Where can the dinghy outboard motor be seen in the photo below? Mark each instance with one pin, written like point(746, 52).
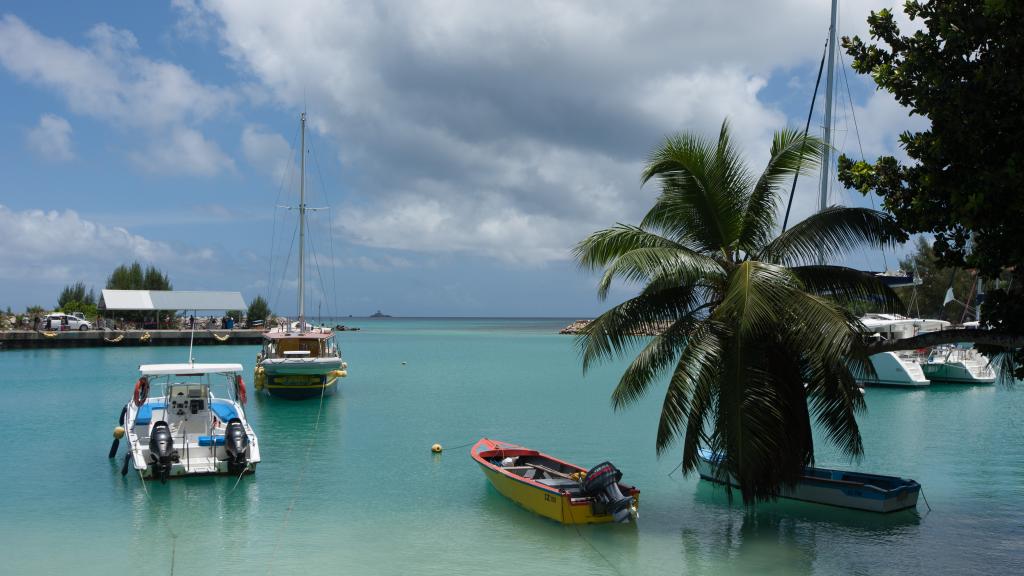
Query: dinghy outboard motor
point(161, 450)
point(236, 444)
point(602, 484)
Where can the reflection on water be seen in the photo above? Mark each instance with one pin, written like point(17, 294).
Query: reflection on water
point(781, 537)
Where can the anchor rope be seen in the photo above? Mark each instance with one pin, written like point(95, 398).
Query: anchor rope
point(166, 523)
point(678, 466)
point(589, 543)
point(297, 490)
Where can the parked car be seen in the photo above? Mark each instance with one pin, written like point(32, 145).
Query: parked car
point(62, 321)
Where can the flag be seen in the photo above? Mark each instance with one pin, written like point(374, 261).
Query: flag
point(949, 296)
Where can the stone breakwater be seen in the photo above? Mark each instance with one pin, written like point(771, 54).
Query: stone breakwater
point(649, 330)
point(575, 327)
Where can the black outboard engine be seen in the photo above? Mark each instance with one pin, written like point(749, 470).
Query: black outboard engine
point(236, 444)
point(161, 450)
point(602, 484)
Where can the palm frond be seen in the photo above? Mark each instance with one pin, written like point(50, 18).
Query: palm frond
point(621, 327)
point(701, 198)
point(755, 297)
point(791, 153)
point(690, 396)
point(835, 402)
point(846, 285)
point(645, 264)
point(651, 362)
point(604, 246)
point(830, 233)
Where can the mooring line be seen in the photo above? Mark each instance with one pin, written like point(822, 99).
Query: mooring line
point(296, 491)
point(592, 547)
point(167, 524)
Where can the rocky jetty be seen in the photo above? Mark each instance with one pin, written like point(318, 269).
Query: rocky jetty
point(575, 327)
point(650, 330)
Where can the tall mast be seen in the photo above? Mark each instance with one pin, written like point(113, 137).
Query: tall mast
point(827, 147)
point(302, 226)
point(826, 153)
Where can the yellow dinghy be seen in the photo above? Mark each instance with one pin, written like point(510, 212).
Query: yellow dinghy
point(558, 490)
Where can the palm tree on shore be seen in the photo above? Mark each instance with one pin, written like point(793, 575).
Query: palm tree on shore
point(754, 340)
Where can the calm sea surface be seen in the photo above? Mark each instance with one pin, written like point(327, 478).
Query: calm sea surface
point(366, 496)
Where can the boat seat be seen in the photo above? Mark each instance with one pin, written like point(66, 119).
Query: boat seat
point(224, 410)
point(524, 471)
point(211, 440)
point(145, 415)
point(570, 486)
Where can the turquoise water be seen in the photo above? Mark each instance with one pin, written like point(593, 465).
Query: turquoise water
point(374, 500)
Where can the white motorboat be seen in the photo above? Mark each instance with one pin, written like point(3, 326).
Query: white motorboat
point(958, 365)
point(184, 430)
point(901, 368)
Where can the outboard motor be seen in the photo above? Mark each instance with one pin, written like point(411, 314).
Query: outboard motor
point(602, 484)
point(161, 450)
point(236, 444)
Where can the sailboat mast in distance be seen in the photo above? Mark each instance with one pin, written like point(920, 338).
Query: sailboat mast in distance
point(302, 226)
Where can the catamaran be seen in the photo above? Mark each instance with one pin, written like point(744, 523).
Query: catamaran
point(902, 368)
point(298, 360)
point(954, 364)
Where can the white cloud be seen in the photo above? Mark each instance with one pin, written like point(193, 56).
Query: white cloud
point(51, 138)
point(108, 79)
point(192, 20)
point(185, 151)
point(513, 132)
point(61, 246)
point(266, 150)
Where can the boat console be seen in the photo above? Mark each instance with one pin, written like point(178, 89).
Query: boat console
point(187, 399)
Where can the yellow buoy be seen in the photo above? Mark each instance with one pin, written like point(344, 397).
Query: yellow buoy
point(436, 449)
point(119, 432)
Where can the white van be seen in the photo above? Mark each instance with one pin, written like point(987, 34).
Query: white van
point(61, 321)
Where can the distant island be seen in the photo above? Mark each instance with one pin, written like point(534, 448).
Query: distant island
point(379, 314)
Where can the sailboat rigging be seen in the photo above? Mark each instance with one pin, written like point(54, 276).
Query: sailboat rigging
point(300, 361)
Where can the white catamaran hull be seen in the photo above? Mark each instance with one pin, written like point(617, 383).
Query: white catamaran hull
point(894, 369)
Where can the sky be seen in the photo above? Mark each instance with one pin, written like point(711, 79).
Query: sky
point(457, 149)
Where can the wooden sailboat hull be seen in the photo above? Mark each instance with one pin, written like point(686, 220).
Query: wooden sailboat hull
point(554, 502)
point(299, 381)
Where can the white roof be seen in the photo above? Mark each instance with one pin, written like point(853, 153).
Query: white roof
point(189, 369)
point(172, 300)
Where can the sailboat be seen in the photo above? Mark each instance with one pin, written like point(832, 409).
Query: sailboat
point(902, 368)
point(298, 360)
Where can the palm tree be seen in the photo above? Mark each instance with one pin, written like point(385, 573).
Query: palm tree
point(752, 335)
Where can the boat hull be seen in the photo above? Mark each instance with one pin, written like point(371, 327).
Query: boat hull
point(824, 486)
point(299, 381)
point(893, 370)
point(953, 373)
point(553, 503)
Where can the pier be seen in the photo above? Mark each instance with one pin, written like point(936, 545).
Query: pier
point(19, 339)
